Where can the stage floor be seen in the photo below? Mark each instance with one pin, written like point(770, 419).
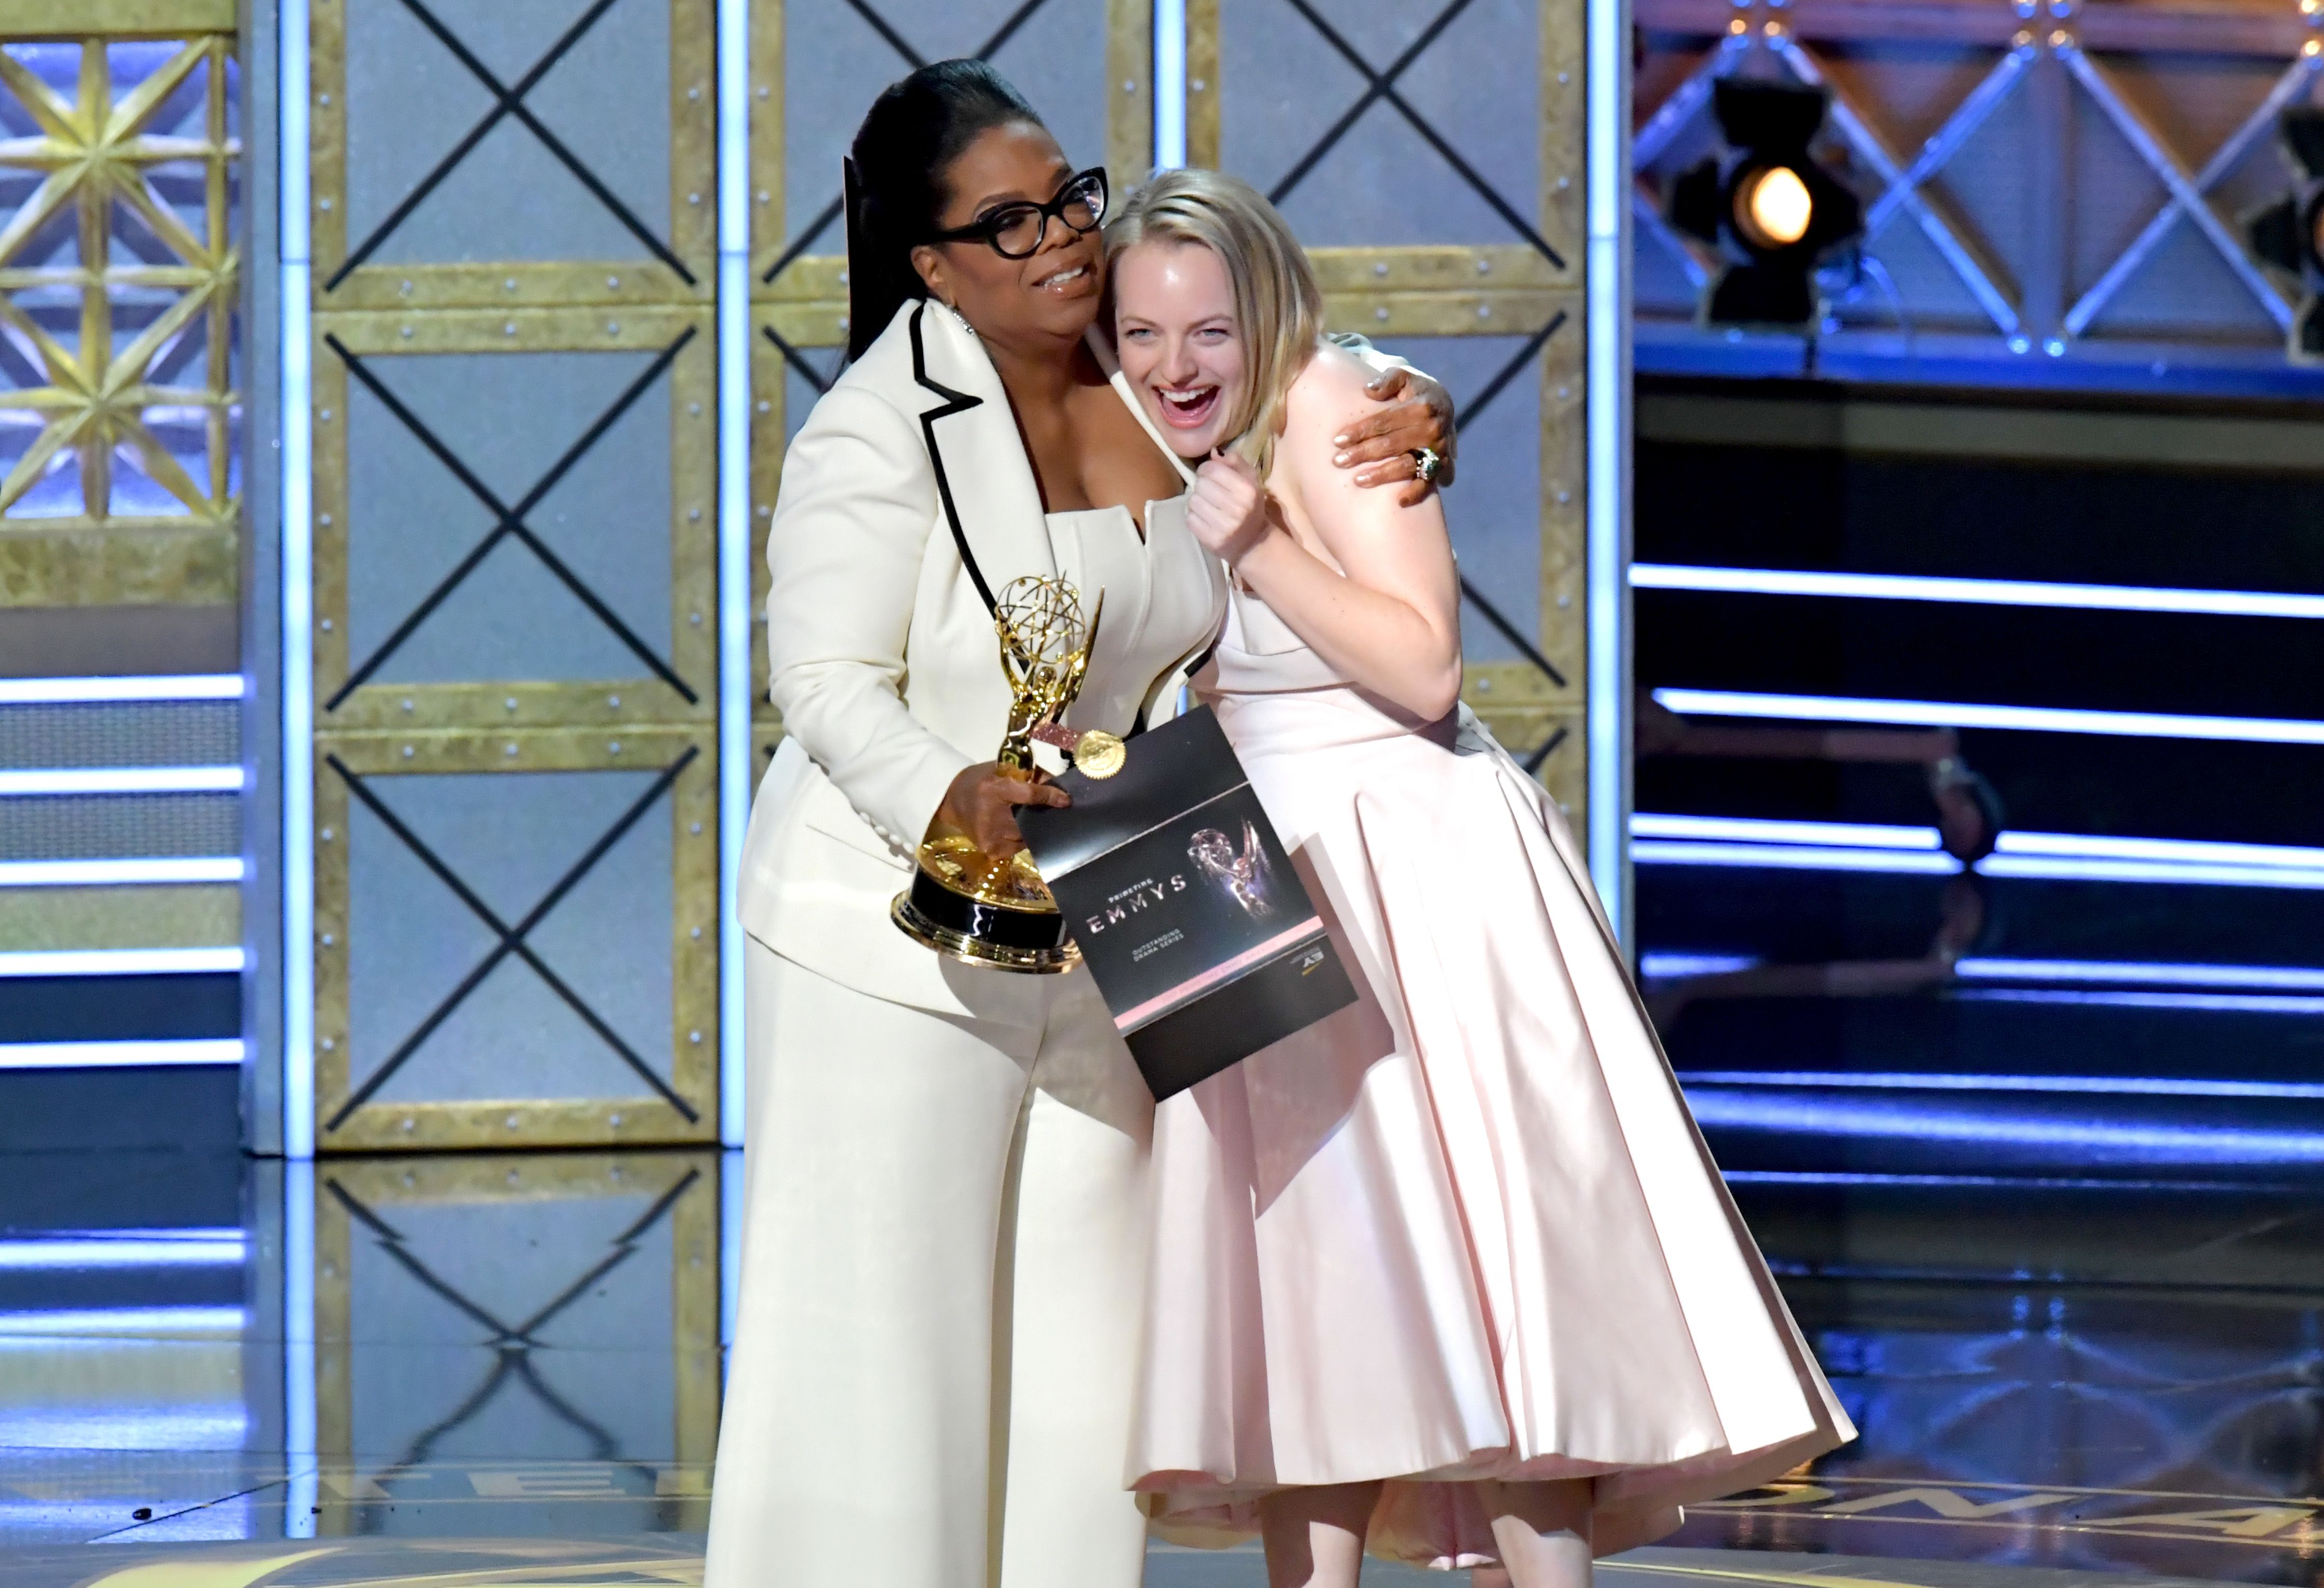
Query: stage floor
point(512, 1379)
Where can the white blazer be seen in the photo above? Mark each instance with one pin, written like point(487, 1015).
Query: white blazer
point(907, 502)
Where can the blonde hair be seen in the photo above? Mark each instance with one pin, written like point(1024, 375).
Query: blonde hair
point(1279, 307)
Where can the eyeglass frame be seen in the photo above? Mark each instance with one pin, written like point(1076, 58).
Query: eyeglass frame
point(986, 228)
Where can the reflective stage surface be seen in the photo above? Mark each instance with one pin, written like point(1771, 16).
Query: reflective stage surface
point(514, 1369)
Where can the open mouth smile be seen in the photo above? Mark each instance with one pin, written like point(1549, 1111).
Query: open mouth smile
point(1063, 281)
point(1188, 408)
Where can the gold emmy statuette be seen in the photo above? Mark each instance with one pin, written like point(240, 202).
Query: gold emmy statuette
point(963, 902)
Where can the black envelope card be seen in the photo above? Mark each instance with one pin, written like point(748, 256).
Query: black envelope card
point(1201, 937)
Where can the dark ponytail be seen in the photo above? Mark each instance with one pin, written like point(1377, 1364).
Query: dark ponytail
point(895, 177)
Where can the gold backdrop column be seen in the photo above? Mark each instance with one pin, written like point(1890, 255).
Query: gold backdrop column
point(1431, 157)
point(119, 279)
point(516, 921)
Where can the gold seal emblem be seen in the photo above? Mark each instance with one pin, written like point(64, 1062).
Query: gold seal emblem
point(1099, 754)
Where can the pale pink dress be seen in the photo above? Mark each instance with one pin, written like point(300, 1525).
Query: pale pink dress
point(1465, 1228)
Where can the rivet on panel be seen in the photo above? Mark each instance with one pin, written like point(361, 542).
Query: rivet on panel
point(1197, 85)
point(406, 333)
point(1563, 392)
point(510, 703)
point(697, 934)
point(762, 90)
point(694, 198)
point(325, 625)
point(843, 278)
point(695, 830)
point(404, 290)
point(508, 750)
point(1484, 311)
point(407, 752)
point(694, 618)
point(765, 406)
point(1129, 84)
point(327, 204)
point(328, 939)
point(1380, 267)
point(693, 94)
point(327, 416)
point(694, 1036)
point(694, 409)
point(325, 520)
point(614, 701)
point(1564, 183)
point(613, 327)
point(1484, 266)
point(513, 1176)
point(326, 835)
point(614, 749)
point(407, 705)
point(613, 280)
point(512, 1124)
point(329, 1044)
point(1484, 686)
point(694, 515)
point(509, 285)
point(324, 99)
point(1563, 601)
point(410, 1125)
point(1380, 313)
point(509, 330)
point(763, 195)
point(615, 1121)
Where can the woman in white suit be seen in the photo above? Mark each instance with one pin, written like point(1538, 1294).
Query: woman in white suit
point(930, 1384)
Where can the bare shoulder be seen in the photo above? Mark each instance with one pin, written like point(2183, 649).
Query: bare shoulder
point(1329, 394)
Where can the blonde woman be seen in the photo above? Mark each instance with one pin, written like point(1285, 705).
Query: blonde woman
point(1451, 1270)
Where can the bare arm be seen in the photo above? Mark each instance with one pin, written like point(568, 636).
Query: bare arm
point(1388, 614)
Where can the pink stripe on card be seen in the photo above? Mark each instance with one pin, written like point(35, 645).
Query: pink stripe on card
point(1186, 992)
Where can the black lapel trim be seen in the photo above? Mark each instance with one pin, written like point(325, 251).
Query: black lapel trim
point(956, 402)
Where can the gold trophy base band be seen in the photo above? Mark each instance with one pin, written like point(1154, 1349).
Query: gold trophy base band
point(971, 950)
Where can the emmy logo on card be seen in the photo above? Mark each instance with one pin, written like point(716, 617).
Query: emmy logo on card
point(1145, 894)
point(1244, 876)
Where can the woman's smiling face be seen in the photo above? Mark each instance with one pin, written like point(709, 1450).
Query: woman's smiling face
point(1181, 346)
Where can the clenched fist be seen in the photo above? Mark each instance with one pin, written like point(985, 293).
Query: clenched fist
point(1227, 508)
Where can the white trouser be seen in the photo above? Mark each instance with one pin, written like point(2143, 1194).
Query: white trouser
point(943, 1267)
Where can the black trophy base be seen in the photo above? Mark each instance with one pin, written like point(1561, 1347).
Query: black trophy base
point(1032, 942)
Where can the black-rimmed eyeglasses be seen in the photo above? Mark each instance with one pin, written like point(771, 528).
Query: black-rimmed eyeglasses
point(1015, 230)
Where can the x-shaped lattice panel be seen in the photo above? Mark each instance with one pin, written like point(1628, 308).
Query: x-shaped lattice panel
point(510, 519)
point(394, 1210)
point(676, 246)
point(513, 940)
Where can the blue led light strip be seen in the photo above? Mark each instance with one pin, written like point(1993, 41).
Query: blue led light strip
point(184, 686)
point(297, 395)
point(1996, 592)
point(299, 1366)
point(157, 869)
point(197, 1051)
point(734, 703)
point(1809, 708)
point(1934, 1125)
point(121, 963)
point(1840, 846)
point(153, 1248)
point(1752, 830)
point(2062, 1085)
point(1606, 283)
point(1169, 83)
point(117, 780)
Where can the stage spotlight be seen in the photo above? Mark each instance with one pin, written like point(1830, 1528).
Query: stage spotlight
point(1769, 207)
point(2288, 235)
